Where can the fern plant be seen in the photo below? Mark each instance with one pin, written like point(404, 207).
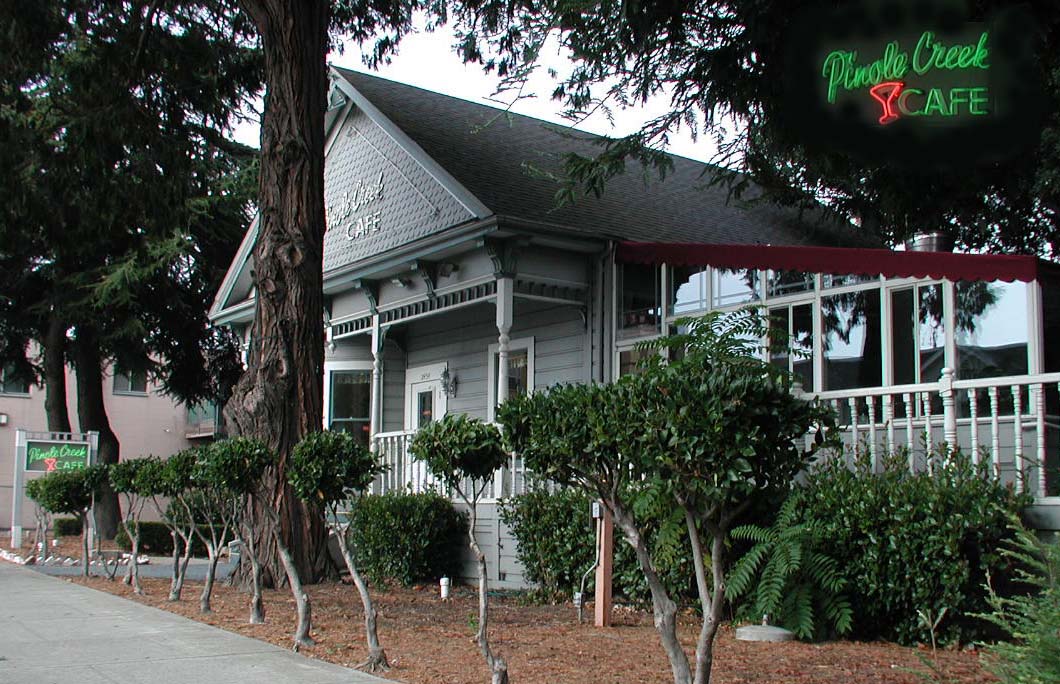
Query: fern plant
point(787, 576)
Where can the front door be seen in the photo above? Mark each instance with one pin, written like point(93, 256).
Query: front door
point(425, 402)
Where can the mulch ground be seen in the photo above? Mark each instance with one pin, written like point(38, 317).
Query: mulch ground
point(429, 642)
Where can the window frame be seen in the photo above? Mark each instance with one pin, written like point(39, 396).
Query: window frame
point(331, 367)
point(130, 391)
point(4, 391)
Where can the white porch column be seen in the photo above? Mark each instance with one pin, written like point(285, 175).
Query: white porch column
point(949, 408)
point(377, 380)
point(505, 304)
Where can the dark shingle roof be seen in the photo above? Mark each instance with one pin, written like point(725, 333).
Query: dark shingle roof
point(489, 150)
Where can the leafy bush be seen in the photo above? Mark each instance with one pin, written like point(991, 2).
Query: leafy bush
point(913, 542)
point(1031, 620)
point(66, 527)
point(407, 537)
point(557, 544)
point(156, 540)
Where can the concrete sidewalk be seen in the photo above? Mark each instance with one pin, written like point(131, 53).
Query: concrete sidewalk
point(55, 631)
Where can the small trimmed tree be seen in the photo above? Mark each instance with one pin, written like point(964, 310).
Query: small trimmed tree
point(706, 435)
point(327, 470)
point(71, 492)
point(128, 482)
point(464, 453)
point(43, 518)
point(213, 506)
point(170, 480)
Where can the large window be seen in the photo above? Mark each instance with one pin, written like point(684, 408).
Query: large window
point(10, 383)
point(992, 329)
point(918, 334)
point(792, 348)
point(638, 287)
point(852, 340)
point(130, 382)
point(350, 403)
point(733, 286)
point(688, 289)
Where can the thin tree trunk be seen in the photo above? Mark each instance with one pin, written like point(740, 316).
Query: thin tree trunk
point(377, 661)
point(132, 576)
point(497, 665)
point(54, 353)
point(92, 415)
point(301, 599)
point(663, 607)
point(257, 606)
point(207, 587)
point(710, 601)
point(184, 559)
point(279, 399)
point(84, 543)
point(174, 589)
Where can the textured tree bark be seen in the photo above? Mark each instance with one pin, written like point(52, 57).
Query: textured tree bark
point(92, 415)
point(376, 661)
point(54, 353)
point(279, 398)
point(663, 607)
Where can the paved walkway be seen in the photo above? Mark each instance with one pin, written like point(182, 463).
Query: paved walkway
point(53, 631)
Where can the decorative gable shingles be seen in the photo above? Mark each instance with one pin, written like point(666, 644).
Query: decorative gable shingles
point(378, 197)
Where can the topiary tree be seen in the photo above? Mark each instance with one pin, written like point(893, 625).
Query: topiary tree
point(170, 480)
point(127, 480)
point(327, 470)
point(706, 434)
point(213, 506)
point(464, 453)
point(43, 518)
point(71, 492)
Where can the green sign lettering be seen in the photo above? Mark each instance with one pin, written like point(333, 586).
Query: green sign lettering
point(50, 456)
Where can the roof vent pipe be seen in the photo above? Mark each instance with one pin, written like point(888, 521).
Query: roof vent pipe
point(932, 241)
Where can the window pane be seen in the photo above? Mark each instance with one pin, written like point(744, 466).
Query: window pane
point(135, 381)
point(518, 371)
point(779, 337)
point(734, 286)
point(903, 327)
point(688, 289)
point(833, 280)
point(358, 428)
point(9, 384)
point(852, 349)
point(425, 407)
point(992, 329)
point(932, 342)
point(351, 395)
point(629, 358)
point(802, 340)
point(780, 283)
point(639, 288)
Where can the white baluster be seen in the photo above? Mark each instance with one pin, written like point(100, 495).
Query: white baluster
point(995, 429)
point(888, 418)
point(1039, 413)
point(907, 399)
point(949, 410)
point(973, 412)
point(871, 405)
point(852, 404)
point(928, 437)
point(1017, 424)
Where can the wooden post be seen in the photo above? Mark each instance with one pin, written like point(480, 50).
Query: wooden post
point(602, 608)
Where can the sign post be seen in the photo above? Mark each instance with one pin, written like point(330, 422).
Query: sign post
point(46, 452)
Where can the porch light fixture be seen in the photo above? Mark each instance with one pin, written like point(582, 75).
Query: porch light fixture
point(448, 383)
point(401, 282)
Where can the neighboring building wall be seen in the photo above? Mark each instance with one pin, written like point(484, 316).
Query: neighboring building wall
point(146, 424)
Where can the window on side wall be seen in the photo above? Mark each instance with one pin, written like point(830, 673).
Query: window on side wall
point(130, 382)
point(520, 371)
point(351, 400)
point(640, 301)
point(10, 383)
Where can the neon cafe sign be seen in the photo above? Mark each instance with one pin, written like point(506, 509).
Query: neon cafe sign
point(894, 79)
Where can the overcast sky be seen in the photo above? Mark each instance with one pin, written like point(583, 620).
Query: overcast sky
point(427, 60)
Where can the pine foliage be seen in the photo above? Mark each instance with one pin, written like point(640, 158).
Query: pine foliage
point(787, 576)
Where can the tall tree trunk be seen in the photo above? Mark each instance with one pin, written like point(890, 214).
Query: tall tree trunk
point(55, 376)
point(92, 415)
point(279, 399)
point(497, 665)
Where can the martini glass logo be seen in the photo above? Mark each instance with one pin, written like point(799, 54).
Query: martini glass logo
point(887, 94)
point(49, 464)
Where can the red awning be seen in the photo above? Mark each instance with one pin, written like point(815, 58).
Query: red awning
point(837, 260)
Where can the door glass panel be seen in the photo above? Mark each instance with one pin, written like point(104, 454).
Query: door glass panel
point(852, 341)
point(425, 407)
point(932, 346)
point(903, 327)
point(802, 342)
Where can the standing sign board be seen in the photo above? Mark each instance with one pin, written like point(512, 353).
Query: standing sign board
point(46, 452)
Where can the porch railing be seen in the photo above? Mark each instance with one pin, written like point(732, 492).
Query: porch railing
point(1010, 422)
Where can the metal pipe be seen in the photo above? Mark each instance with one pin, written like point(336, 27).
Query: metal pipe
point(579, 596)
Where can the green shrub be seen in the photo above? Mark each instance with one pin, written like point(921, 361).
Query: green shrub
point(155, 540)
point(909, 543)
point(557, 544)
point(66, 527)
point(407, 537)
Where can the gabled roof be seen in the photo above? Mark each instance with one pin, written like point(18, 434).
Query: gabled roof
point(488, 151)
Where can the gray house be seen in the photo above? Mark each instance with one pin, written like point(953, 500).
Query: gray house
point(452, 281)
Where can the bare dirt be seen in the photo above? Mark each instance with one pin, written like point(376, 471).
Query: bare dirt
point(429, 641)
